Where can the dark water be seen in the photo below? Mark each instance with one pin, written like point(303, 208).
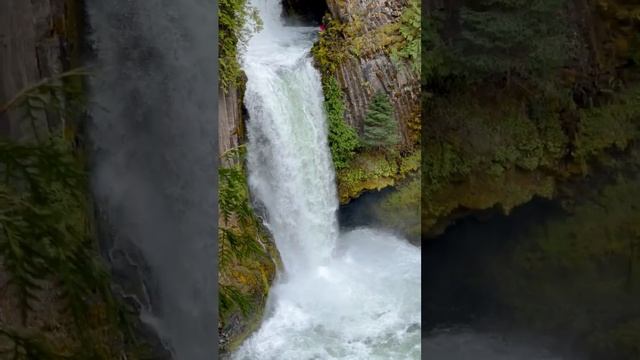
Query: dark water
point(463, 315)
point(458, 287)
point(394, 209)
point(553, 279)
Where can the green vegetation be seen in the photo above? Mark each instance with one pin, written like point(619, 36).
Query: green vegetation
point(364, 162)
point(511, 38)
point(374, 170)
point(581, 271)
point(433, 59)
point(380, 128)
point(343, 139)
point(504, 153)
point(233, 18)
point(509, 118)
point(611, 126)
point(47, 243)
point(530, 98)
point(409, 28)
point(401, 40)
point(330, 50)
point(245, 252)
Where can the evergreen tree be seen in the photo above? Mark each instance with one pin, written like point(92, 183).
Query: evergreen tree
point(380, 128)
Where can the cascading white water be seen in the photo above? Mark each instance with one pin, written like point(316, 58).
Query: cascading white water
point(344, 296)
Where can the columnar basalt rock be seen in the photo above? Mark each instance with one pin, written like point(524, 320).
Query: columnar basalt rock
point(35, 42)
point(230, 119)
point(361, 78)
point(363, 75)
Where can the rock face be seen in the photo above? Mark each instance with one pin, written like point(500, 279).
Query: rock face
point(39, 40)
point(375, 13)
point(230, 121)
point(36, 41)
point(362, 76)
point(31, 48)
point(251, 275)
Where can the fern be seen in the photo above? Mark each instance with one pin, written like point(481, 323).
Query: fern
point(45, 236)
point(410, 29)
point(240, 232)
point(61, 95)
point(343, 139)
point(25, 346)
point(236, 22)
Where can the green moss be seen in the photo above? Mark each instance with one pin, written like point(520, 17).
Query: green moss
point(330, 50)
point(351, 40)
point(343, 139)
point(485, 141)
point(409, 27)
point(612, 126)
point(233, 18)
point(247, 257)
point(374, 170)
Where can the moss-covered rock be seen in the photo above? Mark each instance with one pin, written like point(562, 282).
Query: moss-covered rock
point(374, 170)
point(248, 258)
point(481, 153)
point(358, 51)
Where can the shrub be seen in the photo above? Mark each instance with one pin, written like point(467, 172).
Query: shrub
point(343, 140)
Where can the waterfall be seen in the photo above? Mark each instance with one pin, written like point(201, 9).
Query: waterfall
point(153, 112)
point(354, 295)
point(290, 168)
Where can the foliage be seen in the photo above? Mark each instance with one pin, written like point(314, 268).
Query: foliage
point(329, 52)
point(47, 244)
point(240, 232)
point(44, 225)
point(343, 139)
point(510, 37)
point(374, 170)
point(380, 128)
point(27, 347)
point(410, 29)
point(60, 94)
point(502, 148)
point(236, 21)
point(433, 58)
point(612, 125)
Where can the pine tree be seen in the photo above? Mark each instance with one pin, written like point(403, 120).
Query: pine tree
point(380, 128)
